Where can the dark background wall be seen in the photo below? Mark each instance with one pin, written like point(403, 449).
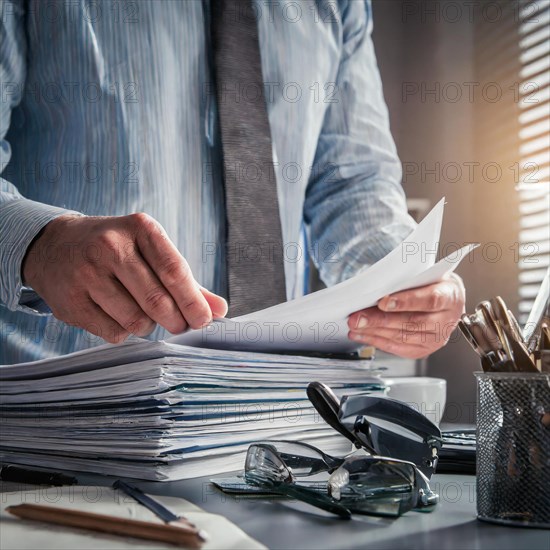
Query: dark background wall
point(432, 46)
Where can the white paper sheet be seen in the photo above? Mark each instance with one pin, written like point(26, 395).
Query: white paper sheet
point(318, 322)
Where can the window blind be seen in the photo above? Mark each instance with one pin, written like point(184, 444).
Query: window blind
point(512, 56)
point(533, 18)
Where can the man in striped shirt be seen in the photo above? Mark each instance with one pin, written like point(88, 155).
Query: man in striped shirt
point(112, 210)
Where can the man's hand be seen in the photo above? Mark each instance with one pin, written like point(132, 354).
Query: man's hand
point(412, 323)
point(115, 276)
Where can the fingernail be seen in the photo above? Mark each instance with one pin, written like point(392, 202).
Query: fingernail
point(363, 322)
point(204, 321)
point(392, 304)
point(354, 336)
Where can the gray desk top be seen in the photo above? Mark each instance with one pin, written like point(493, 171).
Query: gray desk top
point(279, 524)
point(283, 524)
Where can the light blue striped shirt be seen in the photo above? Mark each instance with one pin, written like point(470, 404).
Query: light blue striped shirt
point(108, 108)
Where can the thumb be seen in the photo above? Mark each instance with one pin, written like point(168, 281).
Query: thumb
point(217, 304)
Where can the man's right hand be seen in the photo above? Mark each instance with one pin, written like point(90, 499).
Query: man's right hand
point(115, 276)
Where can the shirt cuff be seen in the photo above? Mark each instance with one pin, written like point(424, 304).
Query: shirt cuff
point(20, 222)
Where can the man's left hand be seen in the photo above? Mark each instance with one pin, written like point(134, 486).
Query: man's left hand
point(412, 323)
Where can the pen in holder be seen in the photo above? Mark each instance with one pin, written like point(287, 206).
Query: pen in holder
point(513, 411)
point(513, 448)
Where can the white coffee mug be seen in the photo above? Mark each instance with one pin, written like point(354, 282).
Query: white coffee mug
point(424, 394)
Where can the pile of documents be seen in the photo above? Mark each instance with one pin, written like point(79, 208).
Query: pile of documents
point(183, 408)
point(159, 411)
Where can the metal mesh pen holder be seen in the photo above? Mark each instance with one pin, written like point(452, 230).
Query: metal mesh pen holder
point(513, 448)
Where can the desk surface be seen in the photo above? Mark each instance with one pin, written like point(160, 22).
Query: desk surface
point(279, 524)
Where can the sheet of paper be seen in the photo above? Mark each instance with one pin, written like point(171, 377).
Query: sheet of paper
point(415, 254)
point(318, 321)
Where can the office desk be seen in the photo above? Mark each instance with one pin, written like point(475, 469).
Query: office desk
point(283, 524)
point(280, 524)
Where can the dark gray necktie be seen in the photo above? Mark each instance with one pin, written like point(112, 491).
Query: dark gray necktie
point(255, 265)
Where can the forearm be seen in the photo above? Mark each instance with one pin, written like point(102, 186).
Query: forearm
point(355, 205)
point(361, 218)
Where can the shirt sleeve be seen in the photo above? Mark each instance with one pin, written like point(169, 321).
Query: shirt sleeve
point(355, 205)
point(20, 219)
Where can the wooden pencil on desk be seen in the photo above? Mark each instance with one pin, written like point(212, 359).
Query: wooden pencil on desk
point(172, 534)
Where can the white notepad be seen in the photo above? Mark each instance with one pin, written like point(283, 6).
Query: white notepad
point(16, 533)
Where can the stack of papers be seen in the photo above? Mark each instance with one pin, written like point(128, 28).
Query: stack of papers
point(183, 408)
point(159, 411)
